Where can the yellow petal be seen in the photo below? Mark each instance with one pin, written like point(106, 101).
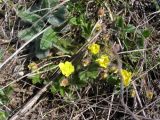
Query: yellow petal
point(66, 68)
point(126, 77)
point(103, 61)
point(94, 48)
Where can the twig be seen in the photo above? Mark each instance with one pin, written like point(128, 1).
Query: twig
point(110, 108)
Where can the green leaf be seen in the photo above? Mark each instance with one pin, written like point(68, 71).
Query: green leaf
point(29, 17)
point(1, 92)
point(27, 33)
point(146, 33)
point(65, 43)
point(50, 40)
point(90, 73)
point(54, 21)
point(113, 80)
point(53, 89)
point(120, 22)
point(87, 75)
point(58, 17)
point(2, 116)
point(34, 19)
point(62, 92)
point(35, 79)
point(49, 37)
point(8, 91)
point(73, 21)
point(83, 76)
point(93, 74)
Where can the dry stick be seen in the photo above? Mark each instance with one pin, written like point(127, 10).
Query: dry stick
point(139, 100)
point(154, 102)
point(57, 72)
point(110, 108)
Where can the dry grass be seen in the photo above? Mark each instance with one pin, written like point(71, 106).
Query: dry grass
point(98, 100)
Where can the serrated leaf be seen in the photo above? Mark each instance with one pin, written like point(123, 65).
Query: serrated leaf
point(49, 37)
point(83, 76)
point(27, 33)
point(29, 17)
point(50, 40)
point(86, 75)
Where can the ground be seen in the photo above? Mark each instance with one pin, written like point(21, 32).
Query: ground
point(127, 30)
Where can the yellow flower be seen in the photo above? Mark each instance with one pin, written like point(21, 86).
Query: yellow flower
point(126, 77)
point(94, 48)
point(103, 61)
point(66, 68)
point(33, 66)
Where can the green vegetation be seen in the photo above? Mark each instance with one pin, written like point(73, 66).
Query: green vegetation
point(100, 52)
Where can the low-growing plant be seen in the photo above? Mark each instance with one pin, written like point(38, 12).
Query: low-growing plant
point(94, 63)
